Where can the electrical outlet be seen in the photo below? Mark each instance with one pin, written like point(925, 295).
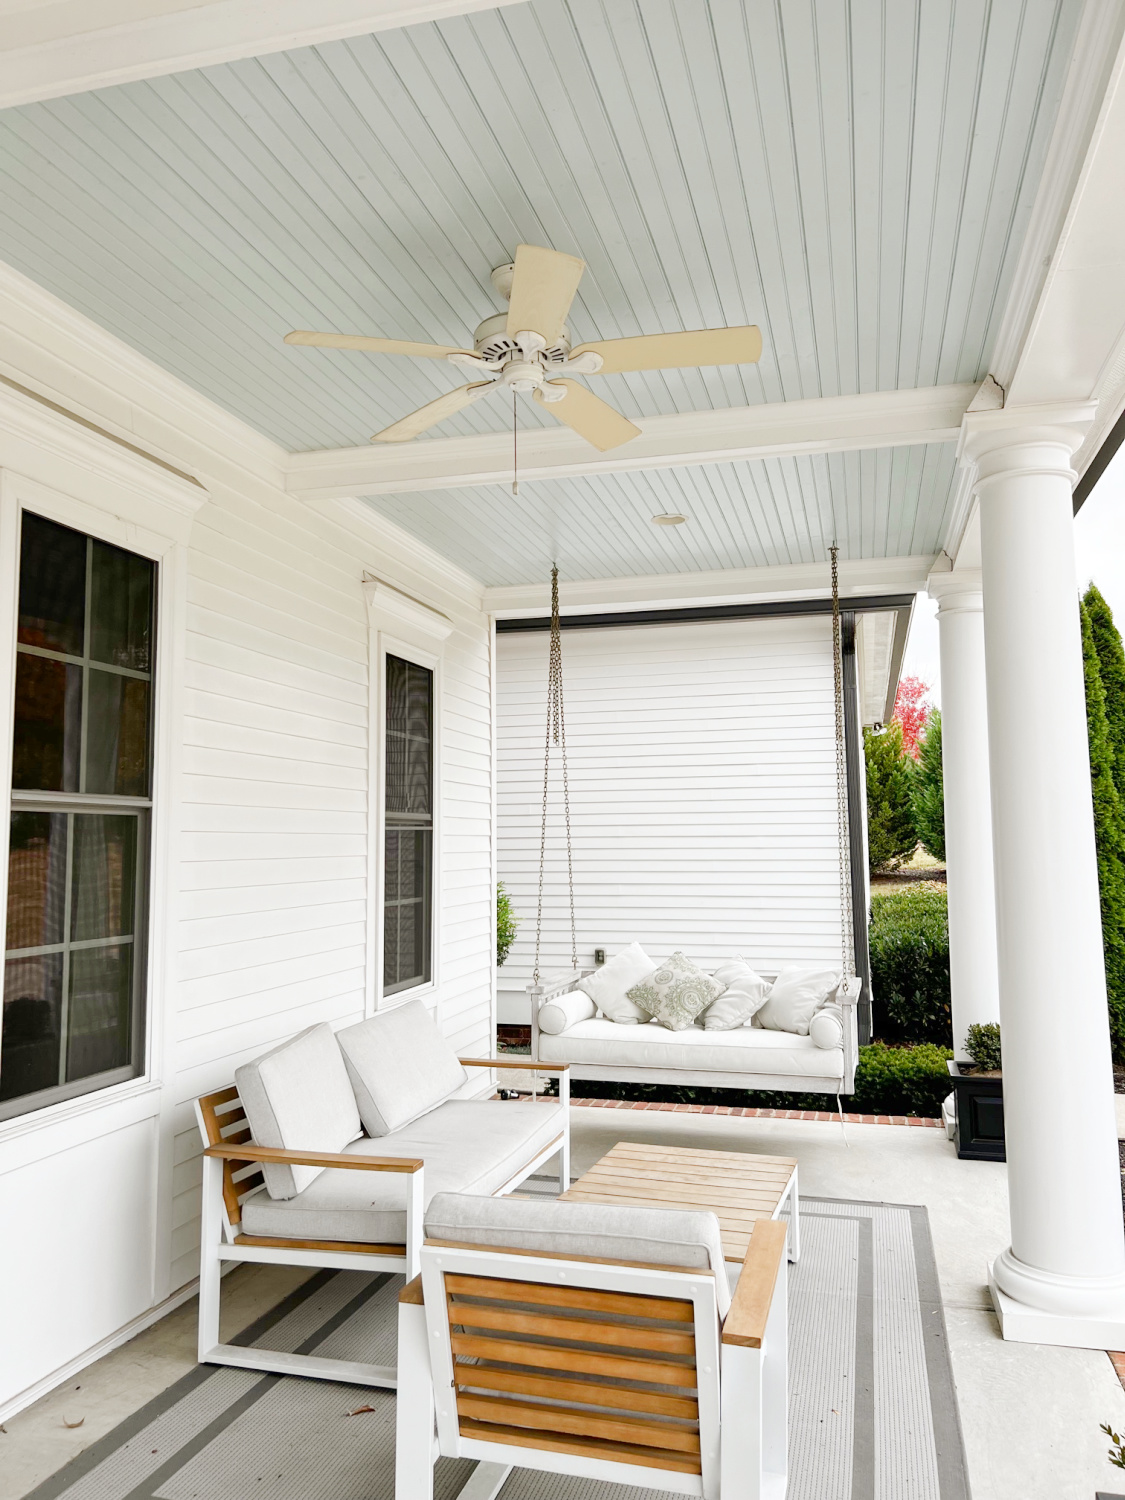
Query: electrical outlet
point(599, 956)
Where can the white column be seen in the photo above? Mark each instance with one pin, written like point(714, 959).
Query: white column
point(1062, 1281)
point(973, 978)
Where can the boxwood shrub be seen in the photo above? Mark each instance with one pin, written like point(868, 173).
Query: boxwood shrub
point(909, 940)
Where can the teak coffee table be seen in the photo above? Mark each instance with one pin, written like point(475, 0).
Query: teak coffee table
point(736, 1186)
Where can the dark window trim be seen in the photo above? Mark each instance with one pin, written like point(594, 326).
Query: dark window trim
point(690, 614)
point(407, 822)
point(1099, 463)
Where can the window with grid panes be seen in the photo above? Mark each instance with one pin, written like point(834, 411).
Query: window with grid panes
point(409, 826)
point(72, 1018)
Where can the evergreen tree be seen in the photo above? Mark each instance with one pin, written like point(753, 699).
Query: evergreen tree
point(1111, 667)
point(929, 789)
point(1108, 837)
point(890, 813)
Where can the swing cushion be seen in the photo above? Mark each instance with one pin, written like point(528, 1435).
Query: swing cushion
point(607, 986)
point(676, 992)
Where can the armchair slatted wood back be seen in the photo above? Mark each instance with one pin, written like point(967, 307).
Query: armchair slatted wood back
point(223, 1122)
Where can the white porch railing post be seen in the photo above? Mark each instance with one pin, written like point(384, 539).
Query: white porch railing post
point(973, 978)
point(1062, 1281)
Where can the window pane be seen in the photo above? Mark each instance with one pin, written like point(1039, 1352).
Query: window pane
point(52, 586)
point(36, 879)
point(117, 736)
point(29, 1037)
point(105, 875)
point(406, 915)
point(99, 1013)
point(121, 608)
point(418, 776)
point(48, 725)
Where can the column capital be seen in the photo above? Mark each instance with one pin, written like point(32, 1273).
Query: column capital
point(956, 590)
point(1024, 440)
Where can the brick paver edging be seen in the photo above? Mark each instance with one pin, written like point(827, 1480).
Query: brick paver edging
point(746, 1113)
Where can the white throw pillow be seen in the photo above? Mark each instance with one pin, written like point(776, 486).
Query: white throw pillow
point(564, 1011)
point(298, 1098)
point(400, 1066)
point(744, 994)
point(607, 986)
point(675, 992)
point(795, 997)
point(827, 1027)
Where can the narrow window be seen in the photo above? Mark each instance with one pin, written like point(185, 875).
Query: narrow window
point(72, 1019)
point(409, 842)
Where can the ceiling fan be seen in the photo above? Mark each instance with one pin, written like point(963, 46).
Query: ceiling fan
point(527, 349)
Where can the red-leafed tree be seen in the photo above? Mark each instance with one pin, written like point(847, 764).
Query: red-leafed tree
point(911, 711)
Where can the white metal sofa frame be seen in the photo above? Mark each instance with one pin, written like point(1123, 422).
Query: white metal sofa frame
point(562, 1389)
point(847, 998)
point(232, 1170)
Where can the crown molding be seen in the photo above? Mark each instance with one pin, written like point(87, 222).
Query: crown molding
point(387, 605)
point(41, 59)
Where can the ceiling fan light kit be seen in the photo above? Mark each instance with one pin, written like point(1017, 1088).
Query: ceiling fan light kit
point(528, 348)
point(664, 519)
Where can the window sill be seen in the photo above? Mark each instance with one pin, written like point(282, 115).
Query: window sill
point(72, 1109)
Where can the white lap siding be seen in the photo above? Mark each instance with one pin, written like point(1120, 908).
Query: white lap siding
point(702, 793)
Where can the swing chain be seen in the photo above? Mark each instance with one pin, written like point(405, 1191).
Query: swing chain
point(847, 928)
point(556, 730)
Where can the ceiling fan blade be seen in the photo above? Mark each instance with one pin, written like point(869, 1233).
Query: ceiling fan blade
point(371, 345)
point(669, 351)
point(589, 416)
point(433, 412)
point(543, 286)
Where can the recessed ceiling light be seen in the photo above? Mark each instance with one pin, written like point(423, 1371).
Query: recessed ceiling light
point(663, 519)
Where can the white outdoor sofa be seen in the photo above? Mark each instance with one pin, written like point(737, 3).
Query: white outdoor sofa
point(747, 1057)
point(326, 1151)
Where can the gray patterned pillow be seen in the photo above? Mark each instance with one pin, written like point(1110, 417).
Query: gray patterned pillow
point(675, 992)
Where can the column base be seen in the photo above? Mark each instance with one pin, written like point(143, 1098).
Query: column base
point(1021, 1324)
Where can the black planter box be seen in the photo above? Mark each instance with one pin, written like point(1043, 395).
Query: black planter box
point(979, 1135)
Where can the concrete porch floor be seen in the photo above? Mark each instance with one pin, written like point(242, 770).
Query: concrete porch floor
point(1030, 1413)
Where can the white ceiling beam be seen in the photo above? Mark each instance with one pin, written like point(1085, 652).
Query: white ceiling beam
point(832, 424)
point(70, 46)
point(860, 576)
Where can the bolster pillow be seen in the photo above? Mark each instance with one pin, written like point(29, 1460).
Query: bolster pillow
point(565, 1011)
point(827, 1027)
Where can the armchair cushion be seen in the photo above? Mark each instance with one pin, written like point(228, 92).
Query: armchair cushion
point(400, 1067)
point(687, 1238)
point(298, 1097)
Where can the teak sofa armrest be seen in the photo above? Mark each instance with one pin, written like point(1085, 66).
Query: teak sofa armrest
point(525, 1064)
point(412, 1293)
point(745, 1323)
point(251, 1152)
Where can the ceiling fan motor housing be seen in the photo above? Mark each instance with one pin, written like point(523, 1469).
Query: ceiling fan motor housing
point(492, 341)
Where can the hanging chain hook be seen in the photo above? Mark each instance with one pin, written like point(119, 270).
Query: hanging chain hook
point(556, 732)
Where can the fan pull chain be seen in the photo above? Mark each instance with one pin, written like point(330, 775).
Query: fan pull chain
point(515, 450)
point(847, 926)
point(556, 731)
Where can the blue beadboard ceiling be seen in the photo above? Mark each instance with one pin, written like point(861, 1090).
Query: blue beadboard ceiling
point(854, 178)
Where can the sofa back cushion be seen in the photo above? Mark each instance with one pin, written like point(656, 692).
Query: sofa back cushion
point(400, 1066)
point(298, 1098)
point(687, 1238)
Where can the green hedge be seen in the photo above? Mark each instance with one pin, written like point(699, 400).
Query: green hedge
point(888, 1081)
point(909, 940)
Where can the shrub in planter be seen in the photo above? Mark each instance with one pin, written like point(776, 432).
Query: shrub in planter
point(982, 1043)
point(909, 941)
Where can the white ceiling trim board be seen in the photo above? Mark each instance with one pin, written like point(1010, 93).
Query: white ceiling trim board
point(829, 424)
point(885, 575)
point(47, 56)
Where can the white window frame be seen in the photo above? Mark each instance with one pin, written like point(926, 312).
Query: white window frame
point(404, 627)
point(168, 551)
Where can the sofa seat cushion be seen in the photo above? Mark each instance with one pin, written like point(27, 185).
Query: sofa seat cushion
point(746, 1049)
point(298, 1098)
point(468, 1145)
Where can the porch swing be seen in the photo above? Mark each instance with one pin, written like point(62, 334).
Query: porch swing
point(571, 1019)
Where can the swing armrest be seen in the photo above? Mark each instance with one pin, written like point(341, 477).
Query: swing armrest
point(547, 989)
point(850, 991)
